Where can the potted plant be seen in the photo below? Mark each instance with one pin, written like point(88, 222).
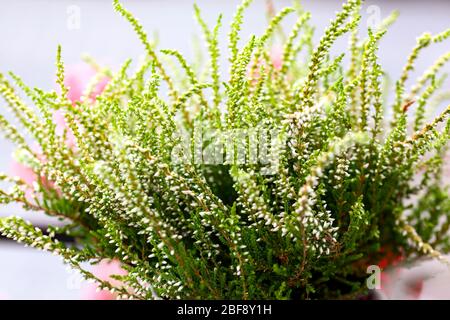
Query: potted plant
point(281, 179)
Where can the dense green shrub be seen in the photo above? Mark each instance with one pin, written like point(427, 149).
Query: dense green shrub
point(166, 176)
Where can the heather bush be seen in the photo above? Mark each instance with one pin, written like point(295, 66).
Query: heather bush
point(272, 179)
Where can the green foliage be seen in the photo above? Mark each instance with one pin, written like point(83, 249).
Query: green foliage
point(338, 184)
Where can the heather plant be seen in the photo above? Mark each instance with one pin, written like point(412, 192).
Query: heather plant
point(267, 181)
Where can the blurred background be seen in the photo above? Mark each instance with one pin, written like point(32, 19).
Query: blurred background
point(30, 31)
